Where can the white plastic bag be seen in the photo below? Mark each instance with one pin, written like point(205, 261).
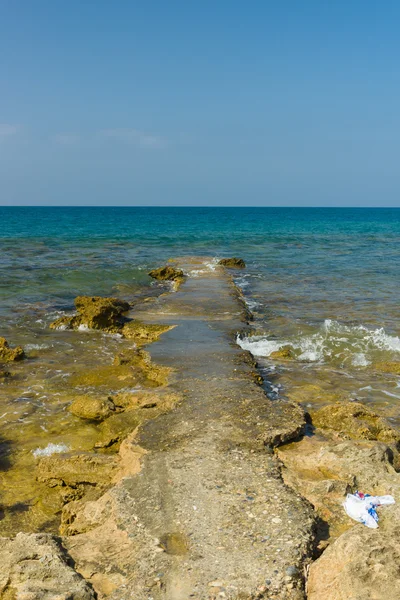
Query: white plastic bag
point(362, 507)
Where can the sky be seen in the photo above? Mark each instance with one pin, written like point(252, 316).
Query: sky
point(156, 102)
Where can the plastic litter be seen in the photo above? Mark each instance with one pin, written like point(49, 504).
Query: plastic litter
point(362, 507)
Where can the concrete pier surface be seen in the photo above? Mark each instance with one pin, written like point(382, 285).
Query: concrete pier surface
point(207, 515)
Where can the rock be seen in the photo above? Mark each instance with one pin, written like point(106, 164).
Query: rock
point(388, 367)
point(94, 409)
point(315, 394)
point(117, 427)
point(150, 373)
point(324, 469)
point(131, 368)
point(355, 420)
point(232, 263)
point(95, 312)
point(142, 333)
point(362, 563)
point(284, 353)
point(36, 567)
point(288, 424)
point(8, 354)
point(73, 469)
point(166, 274)
point(4, 374)
point(133, 401)
point(109, 377)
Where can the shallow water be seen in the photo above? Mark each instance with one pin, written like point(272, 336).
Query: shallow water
point(322, 281)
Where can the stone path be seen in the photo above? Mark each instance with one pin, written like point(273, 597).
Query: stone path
point(208, 515)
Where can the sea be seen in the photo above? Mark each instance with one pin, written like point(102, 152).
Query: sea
point(323, 282)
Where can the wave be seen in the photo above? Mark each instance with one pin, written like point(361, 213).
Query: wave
point(332, 342)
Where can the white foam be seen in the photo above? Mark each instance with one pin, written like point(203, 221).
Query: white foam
point(333, 341)
point(359, 360)
point(212, 265)
point(83, 327)
point(29, 347)
point(49, 450)
point(259, 345)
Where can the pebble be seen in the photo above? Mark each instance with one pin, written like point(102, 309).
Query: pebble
point(276, 520)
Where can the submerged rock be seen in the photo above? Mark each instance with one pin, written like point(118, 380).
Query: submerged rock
point(109, 377)
point(131, 368)
point(95, 312)
point(143, 333)
point(94, 409)
point(36, 567)
point(355, 420)
point(8, 354)
point(388, 367)
point(166, 273)
point(148, 372)
point(232, 263)
point(284, 353)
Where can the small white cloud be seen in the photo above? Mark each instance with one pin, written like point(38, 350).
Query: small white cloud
point(7, 130)
point(67, 139)
point(134, 136)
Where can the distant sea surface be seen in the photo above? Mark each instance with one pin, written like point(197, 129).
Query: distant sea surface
point(322, 282)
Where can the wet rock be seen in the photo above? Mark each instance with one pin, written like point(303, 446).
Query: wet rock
point(109, 377)
point(95, 312)
point(117, 427)
point(355, 420)
point(150, 373)
point(8, 354)
point(284, 353)
point(74, 469)
point(315, 394)
point(166, 273)
point(232, 263)
point(134, 401)
point(36, 567)
point(142, 333)
point(362, 563)
point(388, 367)
point(130, 369)
point(94, 409)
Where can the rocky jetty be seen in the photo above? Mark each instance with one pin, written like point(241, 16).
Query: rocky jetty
point(8, 354)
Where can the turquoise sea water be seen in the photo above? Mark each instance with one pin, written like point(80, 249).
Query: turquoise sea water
point(323, 282)
point(313, 263)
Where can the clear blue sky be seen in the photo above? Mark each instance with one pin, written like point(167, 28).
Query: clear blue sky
point(216, 103)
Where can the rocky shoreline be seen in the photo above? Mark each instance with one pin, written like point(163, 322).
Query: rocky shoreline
point(199, 486)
